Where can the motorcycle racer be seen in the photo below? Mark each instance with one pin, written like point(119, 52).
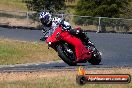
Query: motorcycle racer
point(72, 45)
point(51, 24)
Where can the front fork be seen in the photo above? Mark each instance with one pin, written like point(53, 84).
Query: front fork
point(93, 49)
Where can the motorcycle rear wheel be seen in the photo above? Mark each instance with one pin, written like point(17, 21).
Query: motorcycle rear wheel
point(68, 58)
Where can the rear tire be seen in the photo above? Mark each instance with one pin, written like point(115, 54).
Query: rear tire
point(65, 56)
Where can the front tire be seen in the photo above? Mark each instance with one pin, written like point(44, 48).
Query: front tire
point(67, 57)
point(95, 59)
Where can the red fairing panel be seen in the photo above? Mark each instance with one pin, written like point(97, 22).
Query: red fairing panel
point(80, 50)
point(82, 53)
point(52, 38)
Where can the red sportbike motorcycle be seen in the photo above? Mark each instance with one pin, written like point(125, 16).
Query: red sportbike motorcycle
point(71, 49)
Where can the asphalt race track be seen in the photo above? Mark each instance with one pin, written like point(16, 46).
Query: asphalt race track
point(20, 34)
point(116, 50)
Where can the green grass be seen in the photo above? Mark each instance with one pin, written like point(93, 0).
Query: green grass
point(12, 5)
point(10, 54)
point(61, 82)
point(18, 52)
point(57, 82)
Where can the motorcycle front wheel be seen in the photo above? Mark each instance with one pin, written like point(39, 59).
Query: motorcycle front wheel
point(95, 59)
point(66, 53)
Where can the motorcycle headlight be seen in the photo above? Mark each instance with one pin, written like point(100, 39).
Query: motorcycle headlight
point(49, 43)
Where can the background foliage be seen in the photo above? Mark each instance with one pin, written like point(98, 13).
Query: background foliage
point(102, 8)
point(39, 5)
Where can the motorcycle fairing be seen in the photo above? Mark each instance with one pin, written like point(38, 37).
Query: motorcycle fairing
point(53, 38)
point(81, 51)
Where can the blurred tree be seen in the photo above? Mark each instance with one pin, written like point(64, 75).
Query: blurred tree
point(39, 5)
point(103, 8)
point(71, 1)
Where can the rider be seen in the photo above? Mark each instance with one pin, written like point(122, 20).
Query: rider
point(51, 23)
point(47, 21)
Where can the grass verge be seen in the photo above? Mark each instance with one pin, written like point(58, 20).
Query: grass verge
point(57, 79)
point(16, 5)
point(19, 52)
